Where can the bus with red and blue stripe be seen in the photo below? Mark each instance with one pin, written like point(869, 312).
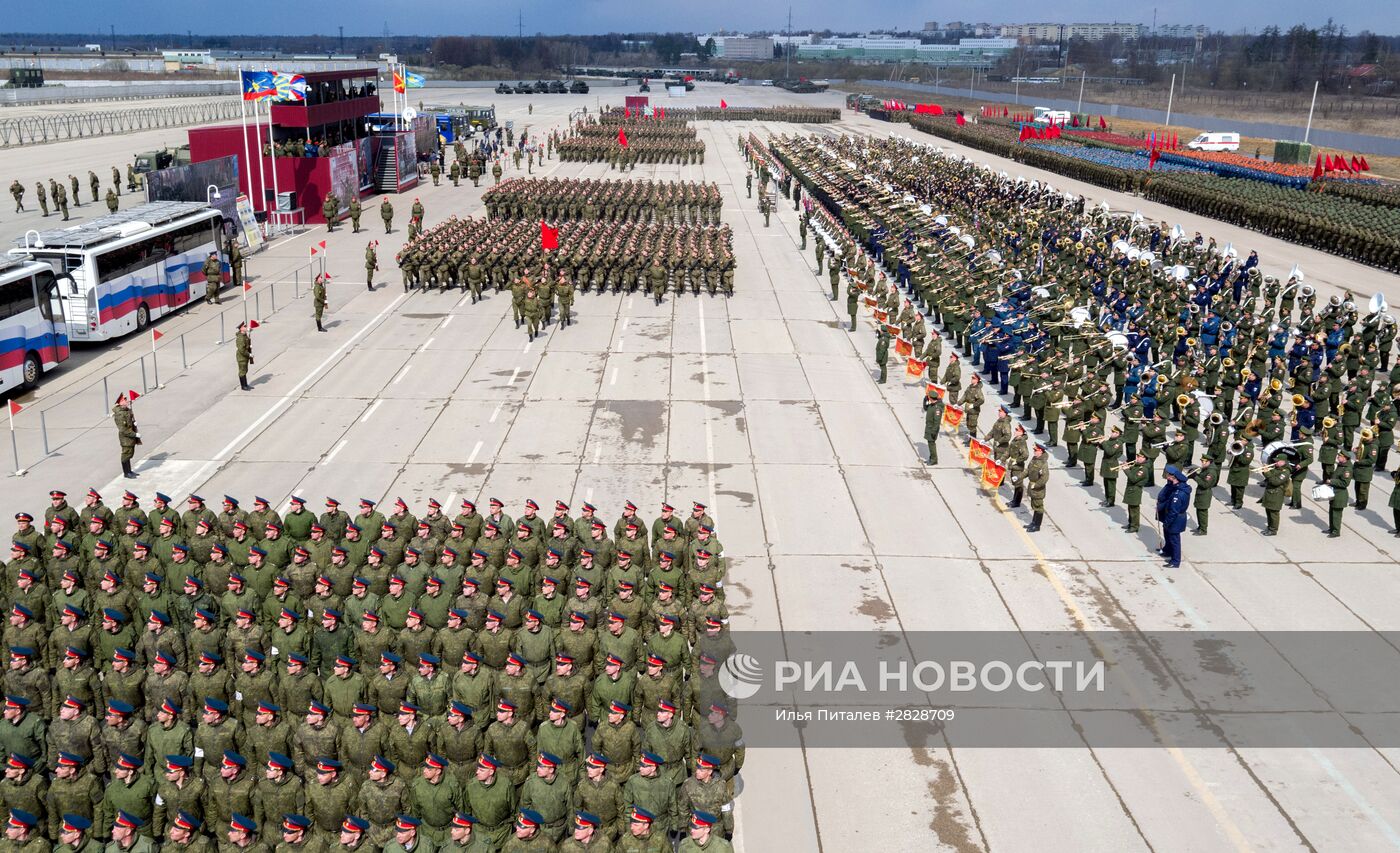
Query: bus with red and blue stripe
point(121, 271)
point(33, 334)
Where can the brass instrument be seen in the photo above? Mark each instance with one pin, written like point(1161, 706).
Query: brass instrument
point(1299, 399)
point(1125, 466)
point(1183, 399)
point(1236, 447)
point(1367, 433)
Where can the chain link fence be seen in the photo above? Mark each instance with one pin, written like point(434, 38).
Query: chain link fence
point(34, 130)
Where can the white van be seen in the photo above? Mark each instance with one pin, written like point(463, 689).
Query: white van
point(1045, 115)
point(1215, 142)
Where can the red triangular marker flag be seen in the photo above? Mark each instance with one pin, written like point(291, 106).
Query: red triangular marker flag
point(247, 286)
point(156, 335)
point(722, 104)
point(1317, 168)
point(626, 112)
point(622, 137)
point(1365, 167)
point(549, 236)
point(323, 244)
point(253, 324)
point(313, 251)
point(1355, 164)
point(1327, 164)
point(133, 396)
point(15, 408)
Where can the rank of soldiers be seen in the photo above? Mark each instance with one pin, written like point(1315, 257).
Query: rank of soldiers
point(588, 199)
point(1130, 343)
point(496, 254)
point(652, 142)
point(377, 681)
point(790, 113)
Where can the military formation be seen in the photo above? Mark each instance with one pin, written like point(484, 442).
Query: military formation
point(1128, 344)
point(378, 680)
point(646, 201)
point(625, 142)
point(787, 113)
point(482, 255)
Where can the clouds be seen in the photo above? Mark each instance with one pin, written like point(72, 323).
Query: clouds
point(433, 17)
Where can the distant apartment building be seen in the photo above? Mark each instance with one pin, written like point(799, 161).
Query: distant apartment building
point(968, 52)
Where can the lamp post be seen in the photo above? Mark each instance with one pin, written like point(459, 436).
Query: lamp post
point(38, 241)
point(211, 193)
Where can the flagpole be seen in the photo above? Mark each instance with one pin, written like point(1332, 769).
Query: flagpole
point(273, 148)
point(262, 172)
point(14, 442)
point(243, 122)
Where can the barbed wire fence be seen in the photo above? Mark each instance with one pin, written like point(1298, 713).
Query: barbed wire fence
point(35, 130)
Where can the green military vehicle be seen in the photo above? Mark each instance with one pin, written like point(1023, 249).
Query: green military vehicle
point(152, 161)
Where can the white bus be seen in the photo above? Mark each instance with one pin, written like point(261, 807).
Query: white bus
point(33, 336)
point(126, 269)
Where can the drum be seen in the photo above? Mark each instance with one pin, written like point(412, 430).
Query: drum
point(1322, 492)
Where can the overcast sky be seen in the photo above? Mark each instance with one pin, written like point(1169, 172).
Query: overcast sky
point(433, 17)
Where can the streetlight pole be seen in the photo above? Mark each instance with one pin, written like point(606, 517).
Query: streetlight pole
point(1171, 91)
point(1080, 107)
point(1308, 131)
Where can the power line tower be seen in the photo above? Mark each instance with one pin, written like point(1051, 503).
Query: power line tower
point(519, 24)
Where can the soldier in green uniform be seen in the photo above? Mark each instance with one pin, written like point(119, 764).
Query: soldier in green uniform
point(496, 170)
point(236, 263)
point(243, 354)
point(213, 277)
point(371, 263)
point(356, 209)
point(1136, 477)
point(455, 173)
point(60, 200)
point(703, 838)
point(802, 232)
point(1277, 479)
point(43, 196)
point(882, 351)
point(74, 833)
point(94, 185)
point(1207, 478)
point(564, 293)
point(330, 209)
point(128, 435)
point(474, 170)
point(318, 299)
point(17, 190)
point(1037, 477)
point(112, 202)
point(491, 798)
point(1340, 481)
point(77, 191)
point(933, 422)
point(436, 171)
point(852, 293)
point(23, 834)
point(386, 213)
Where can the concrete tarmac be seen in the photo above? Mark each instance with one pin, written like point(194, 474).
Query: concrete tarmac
point(765, 407)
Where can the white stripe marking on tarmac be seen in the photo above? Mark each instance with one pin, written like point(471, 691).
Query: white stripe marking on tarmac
point(427, 343)
point(339, 447)
point(626, 321)
point(613, 379)
point(371, 410)
point(200, 475)
point(621, 344)
point(513, 375)
point(705, 386)
point(447, 321)
point(475, 451)
point(495, 413)
point(528, 344)
point(402, 373)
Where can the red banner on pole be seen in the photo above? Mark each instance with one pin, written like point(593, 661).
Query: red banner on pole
point(549, 236)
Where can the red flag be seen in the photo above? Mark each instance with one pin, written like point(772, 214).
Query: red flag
point(1342, 163)
point(549, 236)
point(1103, 125)
point(1317, 168)
point(626, 112)
point(722, 104)
point(133, 396)
point(660, 113)
point(622, 137)
point(1152, 158)
point(1355, 164)
point(1025, 133)
point(1003, 112)
point(15, 408)
point(1327, 164)
point(156, 335)
point(247, 286)
point(1365, 167)
point(253, 324)
point(961, 121)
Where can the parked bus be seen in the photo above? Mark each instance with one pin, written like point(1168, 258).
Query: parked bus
point(126, 269)
point(33, 335)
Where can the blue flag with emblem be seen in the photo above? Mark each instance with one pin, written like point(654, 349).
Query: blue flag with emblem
point(413, 81)
point(258, 85)
point(290, 87)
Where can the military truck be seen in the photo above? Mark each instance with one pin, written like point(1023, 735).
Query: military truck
point(151, 161)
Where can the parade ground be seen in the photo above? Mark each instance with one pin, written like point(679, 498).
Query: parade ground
point(765, 407)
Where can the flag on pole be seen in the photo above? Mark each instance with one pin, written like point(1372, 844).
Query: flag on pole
point(1355, 164)
point(622, 137)
point(132, 396)
point(15, 408)
point(1103, 125)
point(253, 324)
point(915, 367)
point(869, 301)
point(626, 112)
point(722, 104)
point(413, 81)
point(978, 452)
point(399, 85)
point(1317, 168)
point(881, 316)
point(155, 336)
point(1365, 167)
point(290, 87)
point(549, 236)
point(257, 85)
point(992, 473)
point(952, 415)
point(903, 347)
point(936, 390)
